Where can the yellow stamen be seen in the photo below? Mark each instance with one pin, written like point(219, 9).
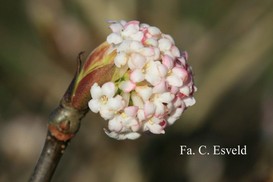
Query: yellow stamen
point(103, 99)
point(150, 121)
point(123, 115)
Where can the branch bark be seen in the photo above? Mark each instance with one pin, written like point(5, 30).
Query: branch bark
point(49, 159)
point(65, 120)
point(64, 123)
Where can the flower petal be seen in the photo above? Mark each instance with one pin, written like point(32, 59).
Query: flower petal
point(126, 98)
point(177, 102)
point(114, 135)
point(175, 51)
point(137, 76)
point(131, 111)
point(160, 109)
point(130, 28)
point(105, 113)
point(166, 36)
point(124, 46)
point(164, 44)
point(116, 104)
point(116, 27)
point(95, 91)
point(174, 81)
point(123, 136)
point(114, 38)
point(152, 74)
point(174, 89)
point(166, 97)
point(189, 101)
point(141, 115)
point(180, 72)
point(135, 125)
point(185, 90)
point(163, 70)
point(160, 87)
point(94, 105)
point(120, 59)
point(135, 46)
point(151, 42)
point(136, 61)
point(132, 135)
point(115, 124)
point(156, 53)
point(108, 89)
point(144, 92)
point(175, 116)
point(147, 51)
point(137, 36)
point(137, 101)
point(127, 86)
point(154, 31)
point(154, 128)
point(167, 61)
point(149, 109)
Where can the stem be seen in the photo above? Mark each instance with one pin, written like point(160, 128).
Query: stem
point(52, 152)
point(64, 123)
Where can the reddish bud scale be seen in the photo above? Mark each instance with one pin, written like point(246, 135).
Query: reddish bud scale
point(98, 68)
point(81, 94)
point(95, 57)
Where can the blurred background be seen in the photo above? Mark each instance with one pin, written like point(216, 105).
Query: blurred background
point(230, 43)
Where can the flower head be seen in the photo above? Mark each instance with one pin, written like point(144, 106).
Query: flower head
point(154, 84)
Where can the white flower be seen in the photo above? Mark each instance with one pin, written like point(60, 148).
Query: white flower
point(130, 28)
point(164, 44)
point(136, 61)
point(114, 38)
point(149, 109)
point(121, 59)
point(137, 100)
point(144, 92)
point(116, 27)
point(127, 86)
point(125, 123)
point(122, 136)
point(177, 76)
point(137, 75)
point(167, 61)
point(155, 125)
point(155, 72)
point(175, 115)
point(100, 96)
point(154, 31)
point(103, 100)
point(189, 101)
point(161, 101)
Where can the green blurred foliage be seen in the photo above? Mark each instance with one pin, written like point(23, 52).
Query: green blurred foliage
point(230, 44)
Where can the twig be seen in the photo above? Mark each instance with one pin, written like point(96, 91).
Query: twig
point(49, 159)
point(64, 123)
point(63, 126)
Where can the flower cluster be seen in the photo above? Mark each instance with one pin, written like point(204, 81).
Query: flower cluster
point(156, 85)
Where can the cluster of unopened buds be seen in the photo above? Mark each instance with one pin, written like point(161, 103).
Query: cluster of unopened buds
point(156, 85)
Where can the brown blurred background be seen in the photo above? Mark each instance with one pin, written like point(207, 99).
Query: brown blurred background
point(230, 43)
